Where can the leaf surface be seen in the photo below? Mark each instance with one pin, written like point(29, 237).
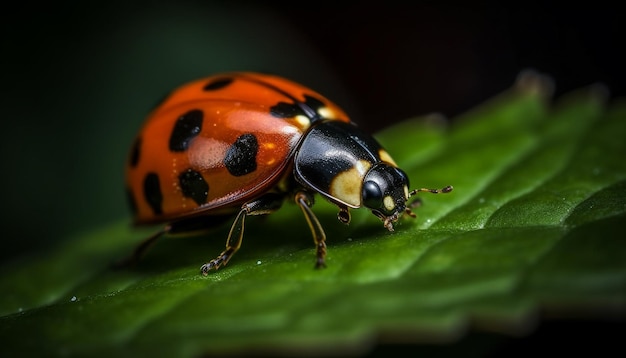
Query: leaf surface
point(535, 223)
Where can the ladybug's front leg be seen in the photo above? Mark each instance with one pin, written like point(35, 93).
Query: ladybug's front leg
point(305, 201)
point(264, 205)
point(140, 249)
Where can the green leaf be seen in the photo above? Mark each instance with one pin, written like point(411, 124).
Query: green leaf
point(535, 223)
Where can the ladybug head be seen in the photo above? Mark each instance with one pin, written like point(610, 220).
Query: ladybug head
point(386, 191)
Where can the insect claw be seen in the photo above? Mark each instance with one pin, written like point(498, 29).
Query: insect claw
point(214, 264)
point(204, 269)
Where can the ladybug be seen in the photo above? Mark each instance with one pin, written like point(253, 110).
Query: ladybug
point(238, 144)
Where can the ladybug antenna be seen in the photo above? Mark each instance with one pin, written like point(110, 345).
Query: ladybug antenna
point(432, 191)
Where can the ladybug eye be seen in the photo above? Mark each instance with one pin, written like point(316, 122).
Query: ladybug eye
point(372, 195)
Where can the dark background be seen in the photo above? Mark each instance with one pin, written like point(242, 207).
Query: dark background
point(78, 79)
point(399, 61)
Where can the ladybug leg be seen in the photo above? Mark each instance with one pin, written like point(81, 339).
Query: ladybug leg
point(264, 205)
point(305, 201)
point(140, 249)
point(344, 215)
point(232, 245)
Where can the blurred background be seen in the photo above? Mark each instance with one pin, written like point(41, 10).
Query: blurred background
point(78, 79)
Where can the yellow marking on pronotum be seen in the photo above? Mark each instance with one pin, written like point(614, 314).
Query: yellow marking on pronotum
point(347, 185)
point(385, 157)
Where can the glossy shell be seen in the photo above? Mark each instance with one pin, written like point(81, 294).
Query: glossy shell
point(218, 142)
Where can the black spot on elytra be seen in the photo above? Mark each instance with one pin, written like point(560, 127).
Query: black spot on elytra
point(132, 203)
point(218, 84)
point(152, 192)
point(285, 110)
point(241, 156)
point(194, 186)
point(314, 103)
point(135, 151)
point(186, 128)
point(308, 108)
